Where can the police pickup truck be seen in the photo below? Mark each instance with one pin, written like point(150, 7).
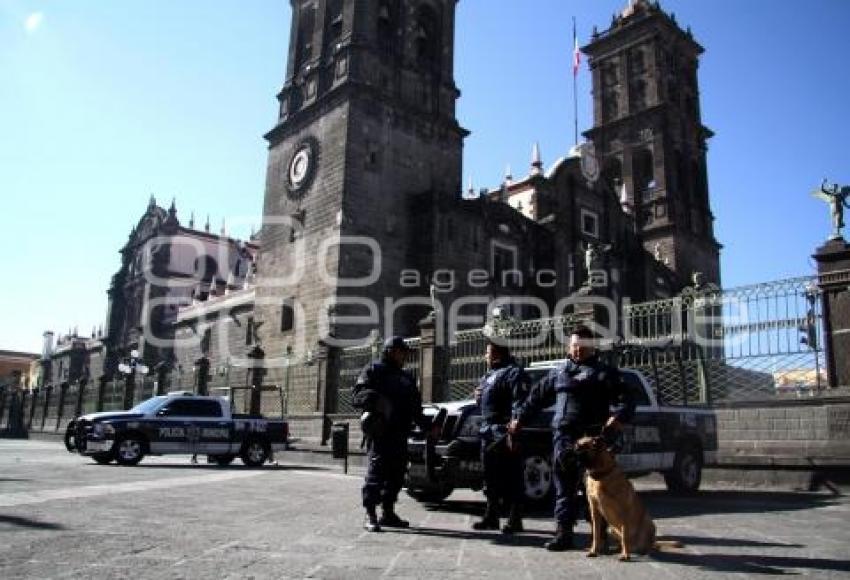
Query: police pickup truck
point(674, 440)
point(177, 423)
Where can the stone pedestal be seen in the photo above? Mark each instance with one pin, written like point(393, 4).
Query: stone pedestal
point(833, 259)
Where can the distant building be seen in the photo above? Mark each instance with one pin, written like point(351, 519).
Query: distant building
point(18, 369)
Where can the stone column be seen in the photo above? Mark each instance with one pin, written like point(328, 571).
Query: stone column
point(258, 371)
point(327, 384)
point(202, 376)
point(101, 391)
point(833, 259)
point(432, 358)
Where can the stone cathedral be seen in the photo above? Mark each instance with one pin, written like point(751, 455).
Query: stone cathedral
point(367, 228)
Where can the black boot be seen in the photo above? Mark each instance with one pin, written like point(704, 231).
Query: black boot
point(514, 525)
point(490, 521)
point(390, 519)
point(371, 523)
point(562, 541)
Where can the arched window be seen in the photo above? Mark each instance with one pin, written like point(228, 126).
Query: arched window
point(206, 268)
point(612, 174)
point(333, 25)
point(287, 315)
point(638, 95)
point(304, 40)
point(387, 26)
point(643, 171)
point(426, 38)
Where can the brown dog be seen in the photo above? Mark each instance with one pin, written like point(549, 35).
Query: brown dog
point(613, 500)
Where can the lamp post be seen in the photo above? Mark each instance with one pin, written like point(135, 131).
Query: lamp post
point(128, 368)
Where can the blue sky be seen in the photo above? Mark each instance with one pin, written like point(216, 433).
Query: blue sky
point(103, 103)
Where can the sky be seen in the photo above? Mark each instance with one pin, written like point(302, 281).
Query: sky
point(104, 103)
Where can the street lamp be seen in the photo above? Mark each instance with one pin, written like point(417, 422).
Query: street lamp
point(134, 364)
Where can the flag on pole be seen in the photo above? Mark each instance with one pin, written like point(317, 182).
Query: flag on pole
point(576, 52)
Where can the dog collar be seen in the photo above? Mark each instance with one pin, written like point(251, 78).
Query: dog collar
point(601, 474)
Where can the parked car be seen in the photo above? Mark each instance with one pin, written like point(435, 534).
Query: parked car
point(676, 441)
point(177, 423)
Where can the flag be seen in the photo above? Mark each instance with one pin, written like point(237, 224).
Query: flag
point(576, 52)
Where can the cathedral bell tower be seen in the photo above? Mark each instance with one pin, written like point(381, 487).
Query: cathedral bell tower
point(649, 135)
point(366, 122)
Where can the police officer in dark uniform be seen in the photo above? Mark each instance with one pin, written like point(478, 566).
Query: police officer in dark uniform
point(391, 403)
point(583, 389)
point(502, 389)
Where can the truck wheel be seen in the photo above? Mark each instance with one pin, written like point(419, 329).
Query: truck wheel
point(71, 438)
point(222, 460)
point(254, 453)
point(129, 450)
point(537, 478)
point(686, 474)
point(102, 458)
point(430, 495)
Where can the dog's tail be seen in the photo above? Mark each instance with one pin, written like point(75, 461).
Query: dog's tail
point(665, 545)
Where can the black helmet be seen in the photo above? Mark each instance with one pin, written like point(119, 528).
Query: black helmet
point(395, 342)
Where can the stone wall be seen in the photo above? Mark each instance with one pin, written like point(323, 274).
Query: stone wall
point(798, 433)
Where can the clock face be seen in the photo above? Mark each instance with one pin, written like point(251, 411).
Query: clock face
point(299, 167)
point(302, 168)
point(589, 164)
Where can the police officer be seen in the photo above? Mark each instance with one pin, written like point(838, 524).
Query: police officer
point(501, 390)
point(391, 403)
point(583, 389)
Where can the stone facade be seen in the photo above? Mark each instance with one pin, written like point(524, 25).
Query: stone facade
point(363, 183)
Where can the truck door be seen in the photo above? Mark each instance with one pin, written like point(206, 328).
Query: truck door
point(642, 437)
point(194, 426)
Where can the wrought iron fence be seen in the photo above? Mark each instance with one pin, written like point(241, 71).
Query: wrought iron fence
point(301, 387)
point(5, 407)
point(530, 341)
point(113, 395)
point(352, 361)
point(748, 343)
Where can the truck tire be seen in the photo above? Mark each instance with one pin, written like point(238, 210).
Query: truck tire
point(254, 452)
point(686, 475)
point(223, 460)
point(103, 458)
point(129, 450)
point(70, 438)
point(537, 478)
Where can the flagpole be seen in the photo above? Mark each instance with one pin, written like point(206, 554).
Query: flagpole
point(575, 82)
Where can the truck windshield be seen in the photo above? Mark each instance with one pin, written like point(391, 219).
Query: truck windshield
point(146, 407)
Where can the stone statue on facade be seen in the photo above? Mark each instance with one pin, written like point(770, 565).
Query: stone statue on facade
point(593, 254)
point(836, 197)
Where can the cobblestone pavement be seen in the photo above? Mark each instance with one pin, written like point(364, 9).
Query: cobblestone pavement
point(62, 516)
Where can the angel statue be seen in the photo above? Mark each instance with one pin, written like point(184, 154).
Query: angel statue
point(836, 197)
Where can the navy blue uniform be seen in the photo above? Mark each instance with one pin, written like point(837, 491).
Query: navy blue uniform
point(503, 389)
point(385, 388)
point(583, 394)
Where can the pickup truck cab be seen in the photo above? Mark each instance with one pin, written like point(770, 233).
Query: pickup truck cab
point(177, 423)
point(674, 440)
